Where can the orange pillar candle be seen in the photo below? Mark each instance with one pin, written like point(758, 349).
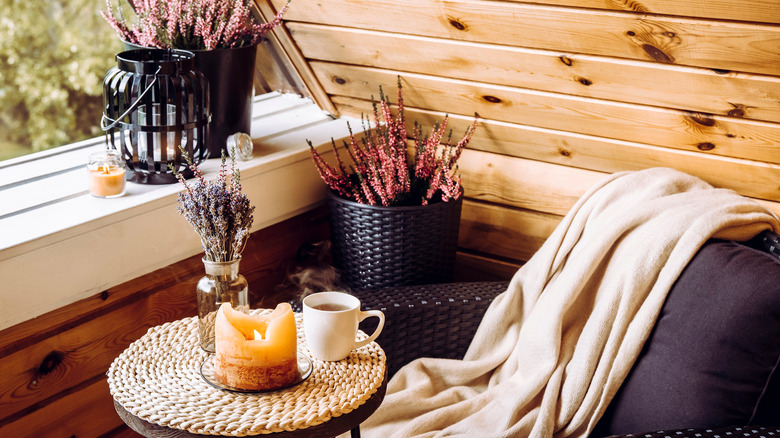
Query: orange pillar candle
point(106, 174)
point(256, 352)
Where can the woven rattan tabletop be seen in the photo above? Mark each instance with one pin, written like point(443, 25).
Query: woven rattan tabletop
point(157, 382)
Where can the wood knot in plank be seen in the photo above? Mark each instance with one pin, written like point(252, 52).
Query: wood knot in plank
point(739, 110)
point(584, 81)
point(657, 54)
point(630, 5)
point(564, 152)
point(700, 119)
point(457, 24)
point(705, 146)
point(339, 80)
point(51, 362)
point(491, 99)
point(656, 40)
point(104, 295)
point(566, 60)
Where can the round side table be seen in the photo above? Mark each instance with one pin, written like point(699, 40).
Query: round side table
point(158, 391)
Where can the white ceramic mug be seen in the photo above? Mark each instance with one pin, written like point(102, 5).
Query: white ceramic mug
point(330, 322)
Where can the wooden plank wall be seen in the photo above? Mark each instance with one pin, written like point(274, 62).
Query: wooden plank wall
point(53, 367)
point(567, 90)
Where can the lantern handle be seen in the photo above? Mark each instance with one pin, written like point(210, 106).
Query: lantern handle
point(132, 107)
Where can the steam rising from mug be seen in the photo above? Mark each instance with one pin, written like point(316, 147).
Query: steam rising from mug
point(315, 275)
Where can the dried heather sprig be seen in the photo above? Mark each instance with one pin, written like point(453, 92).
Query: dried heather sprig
point(382, 170)
point(217, 210)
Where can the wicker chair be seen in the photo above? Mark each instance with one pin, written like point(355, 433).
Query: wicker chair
point(434, 320)
point(440, 320)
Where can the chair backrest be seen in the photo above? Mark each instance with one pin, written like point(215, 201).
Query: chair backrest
point(712, 358)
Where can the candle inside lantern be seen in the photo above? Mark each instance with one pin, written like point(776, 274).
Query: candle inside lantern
point(160, 141)
point(256, 352)
point(106, 171)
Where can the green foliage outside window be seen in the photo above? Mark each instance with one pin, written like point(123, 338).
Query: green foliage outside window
point(53, 57)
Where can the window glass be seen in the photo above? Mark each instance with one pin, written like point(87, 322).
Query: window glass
point(53, 57)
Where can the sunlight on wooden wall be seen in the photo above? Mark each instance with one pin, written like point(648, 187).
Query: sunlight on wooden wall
point(568, 91)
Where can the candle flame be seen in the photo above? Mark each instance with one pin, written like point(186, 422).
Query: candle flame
point(258, 335)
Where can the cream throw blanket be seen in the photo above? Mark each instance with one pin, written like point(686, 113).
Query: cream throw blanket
point(553, 349)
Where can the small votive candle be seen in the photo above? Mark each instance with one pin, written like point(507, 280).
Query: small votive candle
point(240, 144)
point(106, 174)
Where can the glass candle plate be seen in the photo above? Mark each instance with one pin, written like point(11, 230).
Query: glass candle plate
point(305, 368)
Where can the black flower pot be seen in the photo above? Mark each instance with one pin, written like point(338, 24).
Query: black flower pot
point(231, 74)
point(375, 246)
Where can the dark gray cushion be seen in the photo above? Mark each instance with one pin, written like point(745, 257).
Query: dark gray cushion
point(712, 358)
point(718, 432)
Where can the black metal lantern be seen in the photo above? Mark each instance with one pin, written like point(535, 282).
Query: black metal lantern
point(156, 102)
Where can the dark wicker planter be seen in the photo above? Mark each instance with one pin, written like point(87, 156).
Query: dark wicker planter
point(375, 247)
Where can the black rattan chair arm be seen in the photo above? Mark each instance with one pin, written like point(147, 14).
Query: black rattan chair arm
point(434, 320)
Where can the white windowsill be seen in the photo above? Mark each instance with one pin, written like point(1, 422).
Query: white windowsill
point(58, 244)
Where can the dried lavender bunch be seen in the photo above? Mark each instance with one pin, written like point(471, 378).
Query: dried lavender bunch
point(189, 24)
point(217, 210)
point(383, 172)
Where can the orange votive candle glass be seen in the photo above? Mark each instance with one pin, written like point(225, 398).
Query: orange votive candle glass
point(106, 174)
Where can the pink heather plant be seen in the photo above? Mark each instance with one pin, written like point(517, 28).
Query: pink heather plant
point(190, 24)
point(381, 172)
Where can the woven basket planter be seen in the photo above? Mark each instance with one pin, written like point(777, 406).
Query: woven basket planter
point(375, 246)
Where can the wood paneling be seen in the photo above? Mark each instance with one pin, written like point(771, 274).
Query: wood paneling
point(87, 412)
point(532, 185)
point(755, 179)
point(474, 267)
point(514, 204)
point(522, 183)
point(717, 135)
point(567, 91)
point(693, 89)
point(640, 36)
point(50, 366)
point(513, 234)
point(54, 367)
point(757, 10)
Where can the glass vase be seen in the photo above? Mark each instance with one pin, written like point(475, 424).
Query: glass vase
point(221, 284)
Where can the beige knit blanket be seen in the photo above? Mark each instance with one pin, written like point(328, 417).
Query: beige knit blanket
point(553, 349)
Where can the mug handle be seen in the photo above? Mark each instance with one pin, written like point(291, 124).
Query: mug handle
point(367, 314)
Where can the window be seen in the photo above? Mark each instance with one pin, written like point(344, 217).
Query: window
point(53, 57)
